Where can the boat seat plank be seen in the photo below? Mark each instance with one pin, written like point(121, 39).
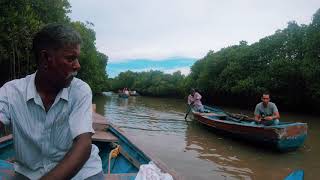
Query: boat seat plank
point(5, 138)
point(125, 176)
point(104, 136)
point(129, 158)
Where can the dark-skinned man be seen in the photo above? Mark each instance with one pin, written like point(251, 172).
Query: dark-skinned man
point(50, 112)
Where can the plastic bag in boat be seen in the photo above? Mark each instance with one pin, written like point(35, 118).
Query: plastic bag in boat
point(152, 172)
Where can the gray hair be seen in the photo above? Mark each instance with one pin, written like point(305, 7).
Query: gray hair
point(54, 36)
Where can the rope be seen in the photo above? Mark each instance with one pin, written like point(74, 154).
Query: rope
point(113, 154)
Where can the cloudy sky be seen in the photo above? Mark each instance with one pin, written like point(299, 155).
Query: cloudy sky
point(157, 29)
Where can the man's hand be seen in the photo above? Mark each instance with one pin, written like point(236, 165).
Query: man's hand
point(74, 160)
point(268, 118)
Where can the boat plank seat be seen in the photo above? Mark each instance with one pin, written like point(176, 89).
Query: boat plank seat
point(209, 114)
point(125, 176)
point(130, 158)
point(5, 138)
point(104, 136)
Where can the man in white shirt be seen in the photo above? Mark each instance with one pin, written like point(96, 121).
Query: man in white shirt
point(50, 112)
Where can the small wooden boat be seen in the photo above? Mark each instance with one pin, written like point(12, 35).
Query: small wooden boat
point(107, 137)
point(295, 175)
point(123, 95)
point(134, 93)
point(285, 136)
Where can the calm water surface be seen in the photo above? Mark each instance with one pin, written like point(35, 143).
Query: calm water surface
point(197, 152)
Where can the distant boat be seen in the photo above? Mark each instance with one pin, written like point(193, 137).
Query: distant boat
point(285, 136)
point(134, 93)
point(123, 95)
point(107, 137)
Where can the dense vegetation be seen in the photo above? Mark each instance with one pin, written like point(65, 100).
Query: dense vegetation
point(152, 83)
point(20, 19)
point(286, 63)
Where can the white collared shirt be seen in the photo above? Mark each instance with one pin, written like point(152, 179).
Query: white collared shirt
point(41, 139)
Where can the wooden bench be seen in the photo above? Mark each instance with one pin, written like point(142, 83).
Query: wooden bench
point(103, 136)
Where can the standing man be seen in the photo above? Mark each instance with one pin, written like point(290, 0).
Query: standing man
point(50, 112)
point(266, 112)
point(194, 100)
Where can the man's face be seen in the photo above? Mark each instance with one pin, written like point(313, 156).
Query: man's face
point(64, 65)
point(265, 99)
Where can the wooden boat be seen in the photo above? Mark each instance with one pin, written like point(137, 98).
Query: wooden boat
point(285, 136)
point(134, 93)
point(123, 95)
point(107, 137)
point(295, 175)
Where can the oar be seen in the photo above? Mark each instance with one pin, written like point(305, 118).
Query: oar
point(188, 111)
point(234, 116)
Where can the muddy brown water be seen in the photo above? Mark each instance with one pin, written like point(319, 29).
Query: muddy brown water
point(197, 152)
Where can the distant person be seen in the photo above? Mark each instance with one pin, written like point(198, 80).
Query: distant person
point(50, 112)
point(266, 112)
point(194, 100)
point(126, 91)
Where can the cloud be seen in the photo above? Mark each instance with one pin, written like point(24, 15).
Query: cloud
point(127, 29)
point(168, 65)
point(183, 70)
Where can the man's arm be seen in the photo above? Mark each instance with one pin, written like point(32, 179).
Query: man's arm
point(190, 100)
point(257, 117)
point(73, 160)
point(276, 115)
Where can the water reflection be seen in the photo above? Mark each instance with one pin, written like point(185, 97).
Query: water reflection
point(197, 152)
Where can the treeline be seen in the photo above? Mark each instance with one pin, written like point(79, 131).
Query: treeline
point(21, 19)
point(287, 64)
point(152, 83)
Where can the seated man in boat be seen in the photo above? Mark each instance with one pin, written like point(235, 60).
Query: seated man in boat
point(266, 112)
point(50, 112)
point(194, 100)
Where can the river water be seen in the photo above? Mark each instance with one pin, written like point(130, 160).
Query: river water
point(198, 153)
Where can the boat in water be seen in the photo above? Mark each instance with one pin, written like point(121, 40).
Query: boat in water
point(123, 95)
point(109, 139)
point(134, 93)
point(285, 136)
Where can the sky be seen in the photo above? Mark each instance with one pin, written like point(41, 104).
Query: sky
point(168, 65)
point(158, 29)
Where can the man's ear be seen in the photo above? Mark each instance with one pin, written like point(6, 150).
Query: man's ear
point(45, 56)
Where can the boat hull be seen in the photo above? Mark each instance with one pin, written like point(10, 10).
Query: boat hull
point(123, 95)
point(107, 136)
point(283, 137)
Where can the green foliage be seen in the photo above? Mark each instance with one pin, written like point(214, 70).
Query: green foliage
point(153, 83)
point(286, 63)
point(92, 62)
point(20, 19)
